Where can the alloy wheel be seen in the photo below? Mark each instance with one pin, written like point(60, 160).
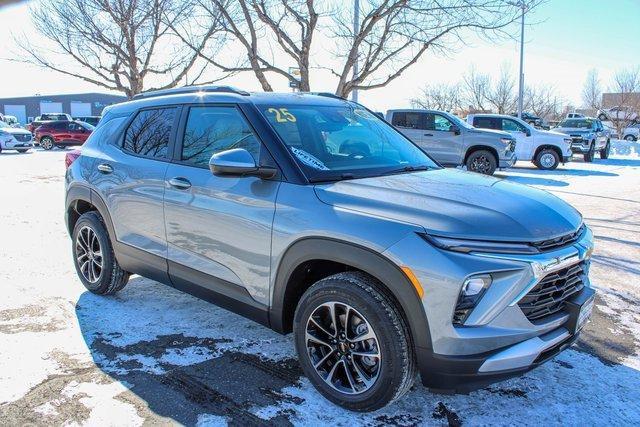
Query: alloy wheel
point(343, 348)
point(89, 254)
point(481, 164)
point(46, 144)
point(547, 160)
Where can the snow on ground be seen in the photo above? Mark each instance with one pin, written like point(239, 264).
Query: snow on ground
point(152, 354)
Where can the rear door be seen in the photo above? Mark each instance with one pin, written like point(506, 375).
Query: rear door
point(443, 144)
point(412, 124)
point(219, 228)
point(62, 132)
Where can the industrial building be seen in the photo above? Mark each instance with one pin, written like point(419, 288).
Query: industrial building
point(25, 109)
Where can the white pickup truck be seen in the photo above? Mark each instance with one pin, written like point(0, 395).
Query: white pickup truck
point(546, 149)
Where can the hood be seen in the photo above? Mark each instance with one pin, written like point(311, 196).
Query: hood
point(14, 131)
point(574, 131)
point(493, 132)
point(554, 132)
point(454, 203)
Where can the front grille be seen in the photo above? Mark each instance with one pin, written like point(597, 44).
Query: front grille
point(22, 137)
point(558, 242)
point(549, 295)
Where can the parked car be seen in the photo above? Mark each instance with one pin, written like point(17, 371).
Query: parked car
point(11, 121)
point(48, 117)
point(546, 149)
point(632, 133)
point(452, 142)
point(618, 113)
point(12, 138)
point(62, 134)
point(574, 116)
point(92, 120)
point(381, 262)
point(588, 136)
point(532, 119)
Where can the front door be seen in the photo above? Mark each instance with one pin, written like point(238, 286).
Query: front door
point(524, 142)
point(219, 228)
point(444, 145)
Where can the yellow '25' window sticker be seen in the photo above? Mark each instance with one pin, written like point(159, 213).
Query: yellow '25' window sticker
point(282, 115)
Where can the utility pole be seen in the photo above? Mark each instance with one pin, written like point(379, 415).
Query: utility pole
point(356, 26)
point(521, 84)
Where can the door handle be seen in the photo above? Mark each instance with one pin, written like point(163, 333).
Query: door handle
point(428, 134)
point(105, 168)
point(180, 183)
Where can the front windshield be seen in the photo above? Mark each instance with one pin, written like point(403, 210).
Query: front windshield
point(342, 142)
point(86, 125)
point(576, 123)
point(3, 124)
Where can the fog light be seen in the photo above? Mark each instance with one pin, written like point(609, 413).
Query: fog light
point(472, 290)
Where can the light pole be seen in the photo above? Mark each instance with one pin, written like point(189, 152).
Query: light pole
point(522, 5)
point(356, 24)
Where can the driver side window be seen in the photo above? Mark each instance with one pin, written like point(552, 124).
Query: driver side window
point(512, 126)
point(210, 130)
point(441, 123)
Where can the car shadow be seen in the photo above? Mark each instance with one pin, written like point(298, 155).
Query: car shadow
point(562, 171)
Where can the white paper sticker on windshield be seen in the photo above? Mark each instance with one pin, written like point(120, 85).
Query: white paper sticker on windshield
point(309, 159)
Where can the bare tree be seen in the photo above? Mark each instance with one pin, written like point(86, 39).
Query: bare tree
point(252, 24)
point(475, 87)
point(115, 44)
point(625, 95)
point(543, 102)
point(444, 97)
point(502, 95)
point(394, 34)
point(592, 91)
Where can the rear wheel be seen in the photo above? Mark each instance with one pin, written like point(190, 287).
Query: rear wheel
point(47, 143)
point(604, 153)
point(591, 154)
point(547, 159)
point(93, 256)
point(23, 151)
point(353, 343)
point(482, 161)
point(630, 138)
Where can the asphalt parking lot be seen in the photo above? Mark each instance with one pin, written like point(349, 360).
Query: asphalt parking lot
point(154, 355)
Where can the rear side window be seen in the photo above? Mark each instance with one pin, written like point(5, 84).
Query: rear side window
point(486, 123)
point(210, 130)
point(408, 120)
point(148, 134)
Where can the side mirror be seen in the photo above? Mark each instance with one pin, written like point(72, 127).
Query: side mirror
point(455, 129)
point(238, 162)
point(527, 132)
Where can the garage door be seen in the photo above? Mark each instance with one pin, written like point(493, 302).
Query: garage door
point(50, 107)
point(19, 111)
point(79, 109)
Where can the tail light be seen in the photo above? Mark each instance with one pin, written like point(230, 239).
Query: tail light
point(71, 157)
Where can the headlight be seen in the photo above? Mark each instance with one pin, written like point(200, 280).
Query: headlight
point(466, 246)
point(472, 290)
point(3, 133)
point(567, 140)
point(506, 140)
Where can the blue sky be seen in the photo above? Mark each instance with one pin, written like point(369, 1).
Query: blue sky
point(570, 38)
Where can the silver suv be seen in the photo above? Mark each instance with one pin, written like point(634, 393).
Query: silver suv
point(453, 142)
point(311, 214)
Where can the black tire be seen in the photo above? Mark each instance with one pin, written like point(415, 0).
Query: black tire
point(602, 117)
point(47, 143)
point(547, 159)
point(591, 154)
point(112, 277)
point(22, 151)
point(604, 153)
point(630, 138)
point(482, 161)
point(395, 366)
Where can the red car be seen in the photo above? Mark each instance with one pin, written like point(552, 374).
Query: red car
point(62, 134)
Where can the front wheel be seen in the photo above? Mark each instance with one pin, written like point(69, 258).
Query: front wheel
point(547, 159)
point(93, 256)
point(46, 143)
point(630, 138)
point(22, 151)
point(482, 161)
point(353, 342)
point(604, 153)
point(591, 154)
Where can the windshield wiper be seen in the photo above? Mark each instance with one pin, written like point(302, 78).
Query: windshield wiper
point(408, 168)
point(337, 177)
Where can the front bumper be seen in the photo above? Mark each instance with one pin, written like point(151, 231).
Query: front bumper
point(497, 340)
point(579, 145)
point(12, 143)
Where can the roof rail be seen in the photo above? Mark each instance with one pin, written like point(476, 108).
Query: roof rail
point(190, 89)
point(327, 94)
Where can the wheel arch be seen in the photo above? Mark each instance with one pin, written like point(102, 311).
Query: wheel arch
point(286, 291)
point(555, 148)
point(475, 148)
point(81, 199)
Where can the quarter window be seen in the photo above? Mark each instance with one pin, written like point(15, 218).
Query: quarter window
point(210, 130)
point(486, 123)
point(148, 134)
